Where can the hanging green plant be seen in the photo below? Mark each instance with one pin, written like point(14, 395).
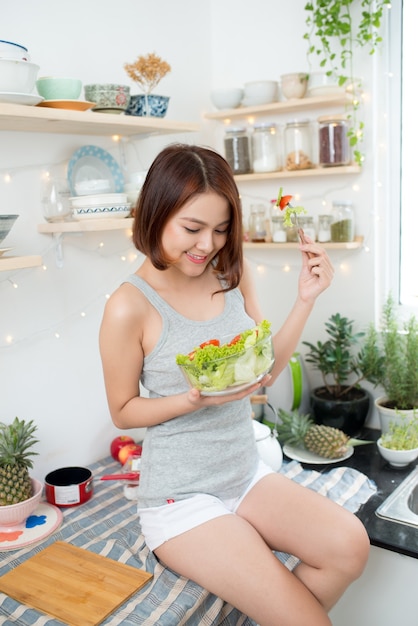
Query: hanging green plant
point(336, 28)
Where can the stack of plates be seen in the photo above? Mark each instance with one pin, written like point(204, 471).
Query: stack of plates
point(99, 206)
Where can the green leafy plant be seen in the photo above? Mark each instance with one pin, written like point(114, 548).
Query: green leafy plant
point(402, 435)
point(335, 29)
point(392, 352)
point(342, 366)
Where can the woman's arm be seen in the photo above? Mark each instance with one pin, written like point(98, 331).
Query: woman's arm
point(315, 276)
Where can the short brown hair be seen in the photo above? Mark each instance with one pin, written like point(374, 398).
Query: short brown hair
point(178, 173)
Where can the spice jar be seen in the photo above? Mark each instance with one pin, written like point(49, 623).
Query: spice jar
point(237, 150)
point(257, 225)
point(264, 147)
point(342, 226)
point(306, 222)
point(324, 228)
point(278, 229)
point(333, 141)
point(298, 145)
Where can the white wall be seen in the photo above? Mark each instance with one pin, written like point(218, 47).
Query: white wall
point(58, 381)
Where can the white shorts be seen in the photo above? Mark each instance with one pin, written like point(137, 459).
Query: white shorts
point(161, 523)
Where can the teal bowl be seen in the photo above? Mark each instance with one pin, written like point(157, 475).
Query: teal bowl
point(147, 106)
point(59, 88)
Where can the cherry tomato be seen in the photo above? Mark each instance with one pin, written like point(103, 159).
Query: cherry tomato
point(234, 340)
point(210, 342)
point(284, 201)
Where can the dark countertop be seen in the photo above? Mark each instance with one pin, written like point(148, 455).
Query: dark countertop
point(382, 533)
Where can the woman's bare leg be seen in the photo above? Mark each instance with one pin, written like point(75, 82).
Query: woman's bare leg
point(231, 556)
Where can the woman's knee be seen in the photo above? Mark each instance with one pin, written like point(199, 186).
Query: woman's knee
point(354, 547)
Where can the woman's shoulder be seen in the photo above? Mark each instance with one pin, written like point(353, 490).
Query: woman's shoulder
point(127, 303)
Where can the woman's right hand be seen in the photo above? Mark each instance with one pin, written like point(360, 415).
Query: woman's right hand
point(200, 401)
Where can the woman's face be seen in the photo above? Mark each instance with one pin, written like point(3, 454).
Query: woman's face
point(194, 235)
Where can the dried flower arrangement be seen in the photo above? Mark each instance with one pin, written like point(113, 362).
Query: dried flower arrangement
point(147, 71)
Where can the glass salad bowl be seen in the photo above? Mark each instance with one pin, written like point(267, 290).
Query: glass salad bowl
point(225, 368)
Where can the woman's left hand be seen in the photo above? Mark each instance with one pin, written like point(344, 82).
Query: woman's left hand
point(317, 270)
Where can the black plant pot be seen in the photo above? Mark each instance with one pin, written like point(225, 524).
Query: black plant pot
point(349, 415)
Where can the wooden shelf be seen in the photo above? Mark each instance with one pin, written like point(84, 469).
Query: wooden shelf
point(19, 262)
point(290, 106)
point(93, 225)
point(348, 245)
point(17, 117)
point(315, 171)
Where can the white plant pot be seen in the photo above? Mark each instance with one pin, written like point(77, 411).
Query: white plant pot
point(390, 415)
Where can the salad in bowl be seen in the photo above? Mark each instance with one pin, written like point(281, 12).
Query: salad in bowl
point(225, 367)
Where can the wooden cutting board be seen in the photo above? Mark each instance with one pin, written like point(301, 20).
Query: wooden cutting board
point(72, 584)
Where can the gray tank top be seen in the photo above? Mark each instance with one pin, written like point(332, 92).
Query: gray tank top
point(211, 450)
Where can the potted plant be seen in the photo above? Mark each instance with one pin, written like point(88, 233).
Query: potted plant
point(393, 350)
point(336, 28)
point(147, 71)
point(19, 493)
point(340, 401)
point(399, 446)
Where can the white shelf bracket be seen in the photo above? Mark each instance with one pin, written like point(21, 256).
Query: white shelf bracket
point(59, 258)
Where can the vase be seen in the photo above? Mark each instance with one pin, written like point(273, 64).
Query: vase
point(147, 105)
point(388, 415)
point(348, 415)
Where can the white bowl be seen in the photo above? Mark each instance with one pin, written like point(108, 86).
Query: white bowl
point(13, 514)
point(106, 211)
point(228, 98)
point(260, 92)
point(12, 50)
point(101, 199)
point(397, 458)
point(88, 187)
point(17, 76)
point(294, 85)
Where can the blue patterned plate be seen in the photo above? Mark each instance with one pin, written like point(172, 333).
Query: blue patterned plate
point(93, 163)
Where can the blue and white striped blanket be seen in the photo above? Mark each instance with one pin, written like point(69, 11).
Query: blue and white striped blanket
point(108, 525)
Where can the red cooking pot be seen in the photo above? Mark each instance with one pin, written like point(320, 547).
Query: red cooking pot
point(69, 486)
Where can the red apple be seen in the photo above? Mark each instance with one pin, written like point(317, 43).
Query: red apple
point(129, 450)
point(118, 443)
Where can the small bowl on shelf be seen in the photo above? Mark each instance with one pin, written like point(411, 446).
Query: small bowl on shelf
point(231, 374)
point(6, 224)
point(150, 105)
point(228, 98)
point(260, 92)
point(397, 458)
point(17, 76)
point(294, 85)
point(109, 97)
point(14, 514)
point(12, 50)
point(52, 88)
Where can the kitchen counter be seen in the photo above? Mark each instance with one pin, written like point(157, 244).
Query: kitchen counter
point(382, 533)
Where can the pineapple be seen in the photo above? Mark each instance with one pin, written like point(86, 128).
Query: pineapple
point(16, 439)
point(301, 430)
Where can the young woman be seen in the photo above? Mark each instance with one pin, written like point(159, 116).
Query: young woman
point(208, 507)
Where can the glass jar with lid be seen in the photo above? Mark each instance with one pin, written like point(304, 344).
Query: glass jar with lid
point(265, 148)
point(306, 222)
point(257, 224)
point(298, 145)
point(342, 226)
point(324, 228)
point(333, 141)
point(237, 150)
point(278, 229)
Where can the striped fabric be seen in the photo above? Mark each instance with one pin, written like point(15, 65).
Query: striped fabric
point(108, 525)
